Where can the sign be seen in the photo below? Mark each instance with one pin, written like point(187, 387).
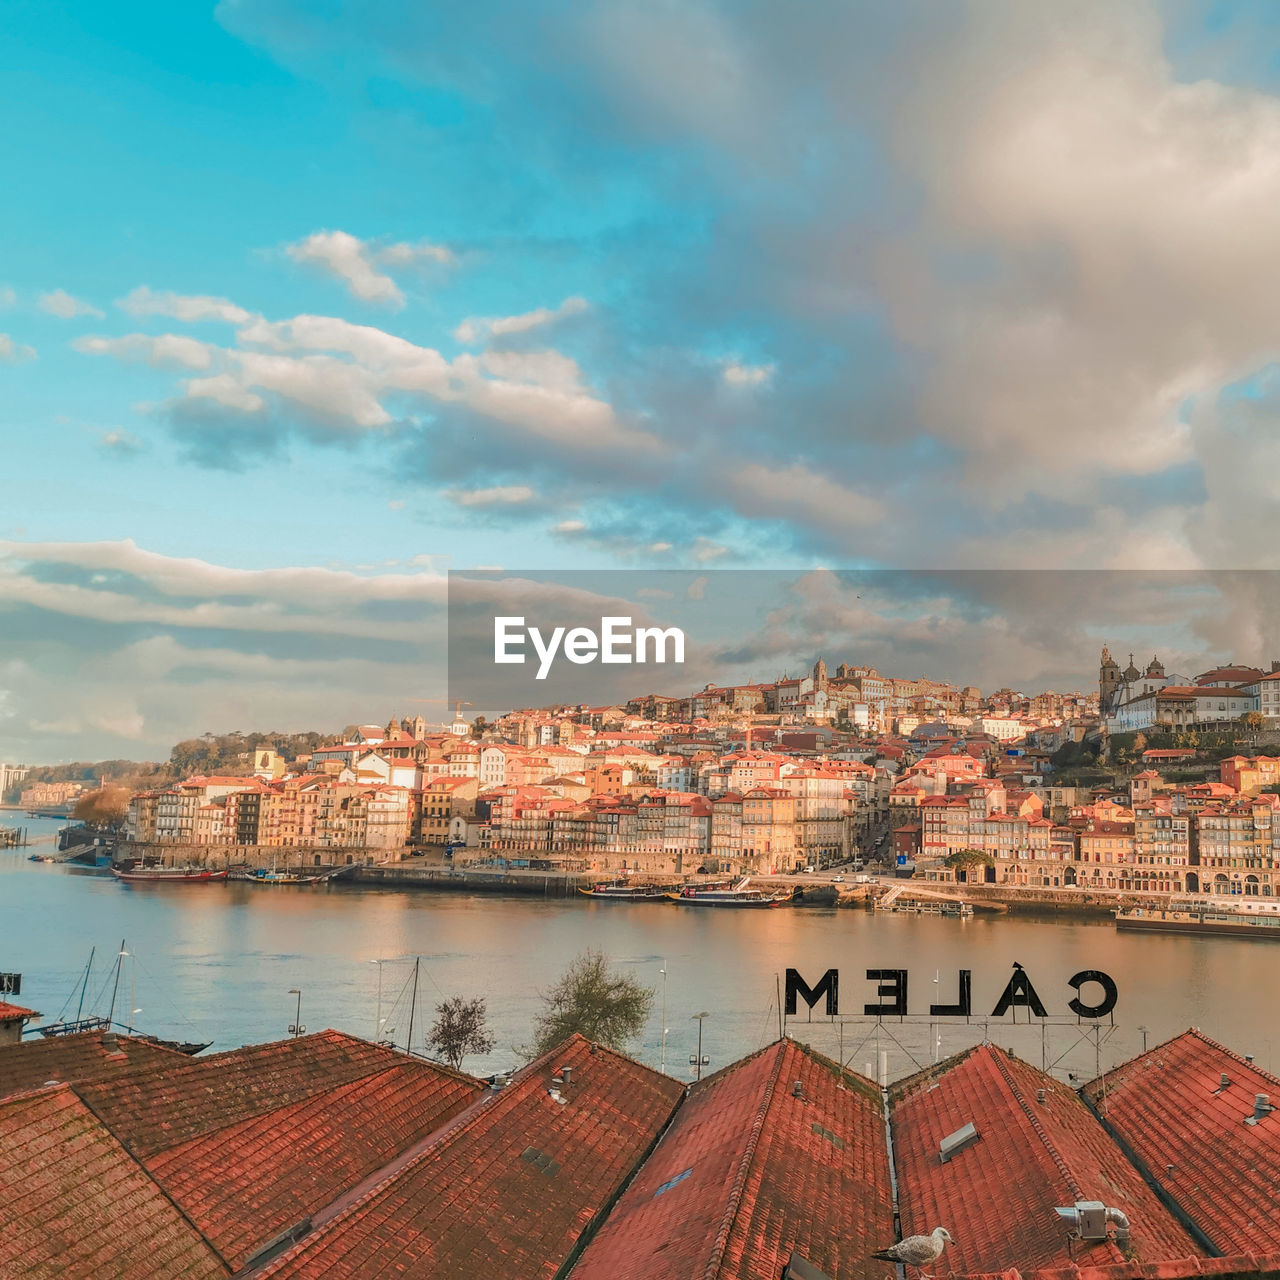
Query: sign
point(10, 984)
point(892, 987)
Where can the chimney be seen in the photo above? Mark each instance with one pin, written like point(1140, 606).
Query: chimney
point(1261, 1108)
point(1223, 1081)
point(566, 1073)
point(1039, 1095)
point(797, 1090)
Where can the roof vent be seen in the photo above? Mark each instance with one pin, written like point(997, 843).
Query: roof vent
point(954, 1143)
point(1089, 1219)
point(1223, 1081)
point(1248, 1057)
point(1039, 1095)
point(1261, 1108)
point(799, 1268)
point(797, 1090)
point(566, 1073)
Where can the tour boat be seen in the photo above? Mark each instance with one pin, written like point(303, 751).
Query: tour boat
point(1238, 920)
point(169, 875)
point(627, 892)
point(736, 895)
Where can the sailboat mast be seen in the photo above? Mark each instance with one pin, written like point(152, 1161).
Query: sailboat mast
point(84, 986)
point(111, 1014)
point(413, 1004)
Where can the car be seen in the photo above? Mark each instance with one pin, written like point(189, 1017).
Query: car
point(837, 879)
point(809, 870)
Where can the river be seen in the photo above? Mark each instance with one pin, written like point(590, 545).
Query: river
point(217, 962)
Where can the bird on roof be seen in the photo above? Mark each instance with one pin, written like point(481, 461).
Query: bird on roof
point(918, 1251)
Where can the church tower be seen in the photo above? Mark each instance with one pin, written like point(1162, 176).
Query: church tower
point(819, 674)
point(1108, 681)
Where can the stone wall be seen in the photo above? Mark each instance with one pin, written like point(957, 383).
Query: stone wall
point(256, 856)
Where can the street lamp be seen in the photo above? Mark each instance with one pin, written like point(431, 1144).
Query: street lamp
point(297, 1028)
point(698, 1061)
point(663, 971)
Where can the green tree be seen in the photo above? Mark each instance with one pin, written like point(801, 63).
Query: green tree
point(968, 859)
point(595, 1001)
point(460, 1028)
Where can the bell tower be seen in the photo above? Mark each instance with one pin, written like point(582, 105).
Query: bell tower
point(1109, 679)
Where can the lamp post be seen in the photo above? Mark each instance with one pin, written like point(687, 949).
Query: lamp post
point(663, 971)
point(698, 1062)
point(297, 1028)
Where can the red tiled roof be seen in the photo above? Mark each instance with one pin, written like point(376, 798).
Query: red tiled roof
point(510, 1187)
point(245, 1184)
point(748, 1172)
point(997, 1196)
point(10, 1012)
point(69, 1059)
point(1225, 1172)
point(73, 1202)
point(155, 1110)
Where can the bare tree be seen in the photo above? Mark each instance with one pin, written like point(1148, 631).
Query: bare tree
point(591, 999)
point(460, 1029)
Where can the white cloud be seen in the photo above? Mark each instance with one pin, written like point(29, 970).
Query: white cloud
point(7, 296)
point(168, 350)
point(747, 375)
point(800, 494)
point(497, 496)
point(342, 255)
point(482, 328)
point(14, 352)
point(405, 255)
point(187, 307)
point(120, 442)
point(569, 526)
point(61, 304)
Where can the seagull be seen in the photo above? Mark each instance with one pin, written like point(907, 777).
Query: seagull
point(918, 1251)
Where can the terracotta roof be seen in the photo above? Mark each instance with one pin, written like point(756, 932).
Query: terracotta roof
point(748, 1172)
point(9, 1012)
point(154, 1110)
point(69, 1059)
point(73, 1202)
point(1225, 1172)
point(510, 1187)
point(245, 1184)
point(997, 1197)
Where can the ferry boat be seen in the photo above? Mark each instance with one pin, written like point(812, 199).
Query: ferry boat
point(627, 892)
point(736, 895)
point(1255, 919)
point(168, 875)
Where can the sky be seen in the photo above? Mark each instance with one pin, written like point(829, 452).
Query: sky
point(303, 305)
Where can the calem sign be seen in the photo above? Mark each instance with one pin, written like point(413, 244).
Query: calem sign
point(892, 994)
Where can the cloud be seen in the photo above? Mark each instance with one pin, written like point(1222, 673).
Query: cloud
point(190, 308)
point(476, 329)
point(570, 527)
point(169, 350)
point(7, 297)
point(798, 493)
point(342, 255)
point(355, 262)
point(496, 496)
point(61, 304)
point(120, 443)
point(14, 352)
point(747, 375)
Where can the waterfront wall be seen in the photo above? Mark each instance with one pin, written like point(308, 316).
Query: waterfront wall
point(259, 857)
point(549, 884)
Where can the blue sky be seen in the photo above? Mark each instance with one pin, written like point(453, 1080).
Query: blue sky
point(379, 291)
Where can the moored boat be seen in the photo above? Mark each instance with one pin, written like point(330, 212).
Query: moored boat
point(735, 895)
point(1239, 920)
point(169, 875)
point(627, 892)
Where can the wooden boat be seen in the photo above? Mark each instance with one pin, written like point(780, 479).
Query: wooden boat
point(1243, 920)
point(728, 895)
point(627, 892)
point(168, 875)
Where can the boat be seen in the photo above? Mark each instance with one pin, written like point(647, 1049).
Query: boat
point(41, 857)
point(168, 875)
point(280, 877)
point(1242, 920)
point(728, 895)
point(627, 892)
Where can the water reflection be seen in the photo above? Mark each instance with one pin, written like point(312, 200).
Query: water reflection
point(217, 962)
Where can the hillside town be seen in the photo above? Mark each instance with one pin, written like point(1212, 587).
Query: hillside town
point(804, 773)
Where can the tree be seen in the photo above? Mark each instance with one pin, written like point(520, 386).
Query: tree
point(968, 859)
point(591, 999)
point(107, 807)
point(460, 1029)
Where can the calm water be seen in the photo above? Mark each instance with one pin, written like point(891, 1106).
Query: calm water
point(217, 962)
